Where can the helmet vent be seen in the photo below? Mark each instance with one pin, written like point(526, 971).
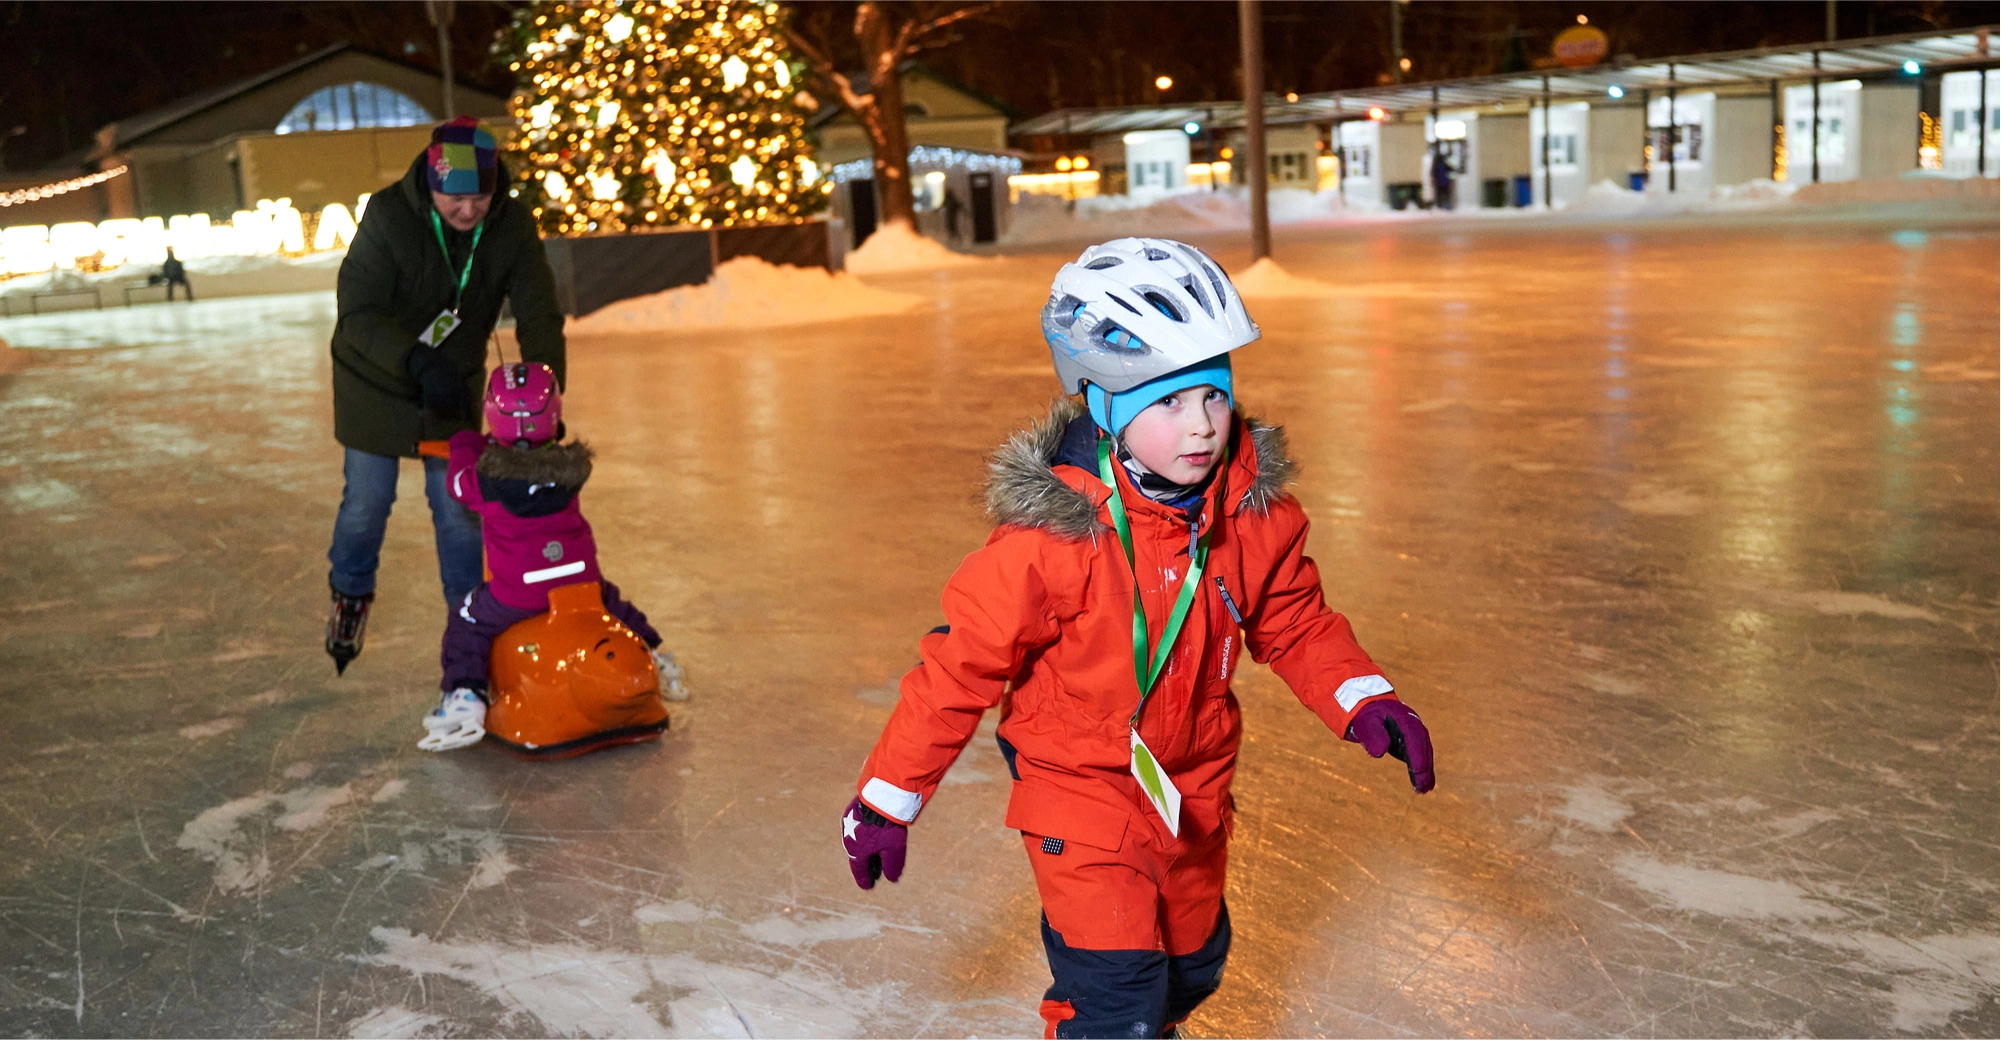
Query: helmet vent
point(1115, 298)
point(1108, 336)
point(1194, 288)
point(1157, 253)
point(1161, 303)
point(1103, 262)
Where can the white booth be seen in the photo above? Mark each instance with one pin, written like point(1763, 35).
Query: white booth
point(1156, 162)
point(1488, 153)
point(1382, 163)
point(1962, 113)
point(1866, 130)
point(1563, 179)
point(1679, 129)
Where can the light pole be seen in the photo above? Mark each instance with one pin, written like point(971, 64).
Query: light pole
point(1250, 32)
point(440, 12)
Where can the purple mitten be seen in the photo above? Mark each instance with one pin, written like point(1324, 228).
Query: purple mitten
point(1389, 725)
point(875, 843)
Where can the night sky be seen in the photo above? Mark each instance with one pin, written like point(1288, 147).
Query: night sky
point(68, 68)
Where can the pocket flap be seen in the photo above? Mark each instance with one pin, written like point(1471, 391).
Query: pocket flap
point(1046, 811)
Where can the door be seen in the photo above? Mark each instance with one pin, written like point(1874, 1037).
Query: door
point(861, 203)
point(982, 187)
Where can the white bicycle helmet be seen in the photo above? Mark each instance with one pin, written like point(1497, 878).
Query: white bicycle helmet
point(1134, 309)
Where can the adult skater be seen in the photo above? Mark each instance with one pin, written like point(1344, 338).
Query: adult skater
point(419, 294)
point(1146, 542)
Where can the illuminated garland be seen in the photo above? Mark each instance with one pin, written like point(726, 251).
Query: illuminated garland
point(653, 113)
point(49, 191)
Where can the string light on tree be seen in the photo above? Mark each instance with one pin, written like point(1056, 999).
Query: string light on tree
point(651, 113)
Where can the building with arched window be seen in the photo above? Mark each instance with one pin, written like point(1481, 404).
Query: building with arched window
point(322, 129)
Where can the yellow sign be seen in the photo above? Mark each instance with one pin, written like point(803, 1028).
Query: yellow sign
point(1580, 45)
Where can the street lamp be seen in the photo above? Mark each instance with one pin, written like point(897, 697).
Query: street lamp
point(1163, 83)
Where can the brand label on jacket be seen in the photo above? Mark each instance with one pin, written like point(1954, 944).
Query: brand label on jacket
point(1153, 780)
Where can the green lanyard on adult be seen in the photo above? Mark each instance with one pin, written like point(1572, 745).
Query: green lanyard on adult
point(1146, 672)
point(464, 276)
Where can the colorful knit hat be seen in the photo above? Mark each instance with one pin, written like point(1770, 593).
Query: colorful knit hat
point(461, 159)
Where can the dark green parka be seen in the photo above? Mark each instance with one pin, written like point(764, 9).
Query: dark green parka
point(395, 280)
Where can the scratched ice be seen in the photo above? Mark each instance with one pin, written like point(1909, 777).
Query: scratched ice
point(1681, 535)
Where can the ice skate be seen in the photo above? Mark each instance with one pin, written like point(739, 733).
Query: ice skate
point(347, 622)
point(673, 684)
point(458, 721)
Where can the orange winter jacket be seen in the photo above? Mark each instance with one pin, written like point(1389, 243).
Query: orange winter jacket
point(1045, 608)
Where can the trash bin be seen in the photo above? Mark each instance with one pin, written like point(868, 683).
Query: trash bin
point(1524, 191)
point(1494, 193)
point(1405, 194)
point(1637, 180)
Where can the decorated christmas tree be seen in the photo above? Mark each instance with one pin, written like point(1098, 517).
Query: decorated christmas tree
point(652, 113)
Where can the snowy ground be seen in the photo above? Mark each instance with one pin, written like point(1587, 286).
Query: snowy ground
point(1680, 535)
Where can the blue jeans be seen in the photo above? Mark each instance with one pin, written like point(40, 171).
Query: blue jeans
point(364, 515)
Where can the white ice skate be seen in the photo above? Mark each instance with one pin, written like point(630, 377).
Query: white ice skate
point(458, 721)
point(673, 686)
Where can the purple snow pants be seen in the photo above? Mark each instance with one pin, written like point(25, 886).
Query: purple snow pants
point(471, 628)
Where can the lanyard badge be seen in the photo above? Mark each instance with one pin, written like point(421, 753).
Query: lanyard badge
point(1153, 779)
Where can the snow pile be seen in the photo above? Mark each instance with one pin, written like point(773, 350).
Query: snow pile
point(213, 277)
point(749, 293)
point(1608, 199)
point(1044, 218)
point(1267, 280)
point(897, 247)
point(1925, 187)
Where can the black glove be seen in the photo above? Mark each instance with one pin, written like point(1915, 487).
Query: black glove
point(440, 384)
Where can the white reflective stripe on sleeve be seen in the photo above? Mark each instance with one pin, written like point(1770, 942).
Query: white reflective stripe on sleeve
point(1352, 691)
point(891, 799)
point(457, 491)
point(550, 573)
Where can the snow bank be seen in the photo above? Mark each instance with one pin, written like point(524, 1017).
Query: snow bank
point(1608, 199)
point(1267, 280)
point(1918, 186)
point(1044, 218)
point(749, 293)
point(897, 247)
point(213, 277)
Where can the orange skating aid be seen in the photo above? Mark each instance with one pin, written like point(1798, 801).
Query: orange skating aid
point(572, 680)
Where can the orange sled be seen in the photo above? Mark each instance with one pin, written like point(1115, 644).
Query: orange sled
point(572, 681)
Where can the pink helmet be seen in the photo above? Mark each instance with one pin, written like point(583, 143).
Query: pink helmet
point(523, 406)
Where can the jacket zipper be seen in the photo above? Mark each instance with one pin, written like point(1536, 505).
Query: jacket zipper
point(1228, 603)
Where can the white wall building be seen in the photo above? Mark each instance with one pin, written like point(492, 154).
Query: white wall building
point(1961, 115)
point(1381, 161)
point(1866, 130)
point(1562, 177)
point(1156, 162)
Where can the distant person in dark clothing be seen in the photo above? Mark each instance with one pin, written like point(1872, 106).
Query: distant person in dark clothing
point(173, 272)
point(953, 209)
point(1441, 180)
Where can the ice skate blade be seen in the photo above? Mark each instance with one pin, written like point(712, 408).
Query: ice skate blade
point(584, 745)
point(341, 659)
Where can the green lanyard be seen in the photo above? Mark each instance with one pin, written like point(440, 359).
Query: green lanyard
point(1143, 673)
point(465, 276)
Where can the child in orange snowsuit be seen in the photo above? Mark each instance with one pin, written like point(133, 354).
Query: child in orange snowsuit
point(1142, 548)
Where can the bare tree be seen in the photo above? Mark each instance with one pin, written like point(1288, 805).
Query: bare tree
point(887, 40)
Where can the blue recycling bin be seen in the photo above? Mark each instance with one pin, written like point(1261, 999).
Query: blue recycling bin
point(1524, 192)
point(1637, 180)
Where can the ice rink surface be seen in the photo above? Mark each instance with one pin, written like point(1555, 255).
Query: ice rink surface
point(1682, 536)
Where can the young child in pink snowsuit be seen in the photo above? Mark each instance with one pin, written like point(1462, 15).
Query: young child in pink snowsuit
point(523, 482)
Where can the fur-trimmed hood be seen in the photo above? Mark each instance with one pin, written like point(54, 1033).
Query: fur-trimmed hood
point(1025, 491)
point(565, 465)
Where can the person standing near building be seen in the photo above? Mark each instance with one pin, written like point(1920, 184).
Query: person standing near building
point(418, 297)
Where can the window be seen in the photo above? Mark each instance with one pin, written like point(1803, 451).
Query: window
point(352, 106)
point(1563, 150)
point(1356, 161)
